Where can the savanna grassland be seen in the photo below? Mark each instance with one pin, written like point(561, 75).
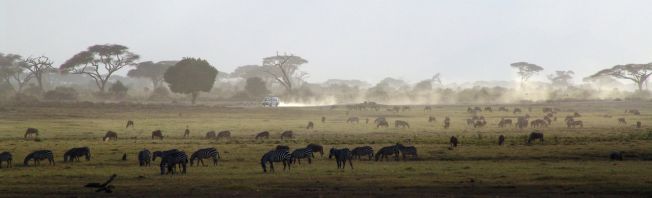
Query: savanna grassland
point(571, 162)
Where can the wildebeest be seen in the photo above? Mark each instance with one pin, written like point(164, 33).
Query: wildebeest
point(75, 153)
point(504, 122)
point(210, 135)
point(574, 123)
point(385, 152)
point(310, 125)
point(638, 124)
point(353, 119)
point(224, 134)
point(503, 109)
point(262, 135)
point(516, 110)
point(401, 124)
point(616, 155)
point(6, 157)
point(323, 119)
point(157, 134)
point(488, 109)
point(287, 134)
point(316, 148)
point(633, 111)
point(576, 114)
point(39, 155)
point(501, 140)
point(547, 110)
point(622, 121)
point(282, 147)
point(534, 136)
point(382, 123)
point(447, 122)
point(363, 151)
point(407, 151)
point(110, 135)
point(427, 109)
point(144, 157)
point(130, 123)
point(479, 123)
point(31, 132)
point(432, 119)
point(453, 142)
point(538, 123)
point(341, 156)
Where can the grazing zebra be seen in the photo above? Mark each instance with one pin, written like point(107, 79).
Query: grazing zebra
point(282, 147)
point(501, 140)
point(401, 123)
point(407, 150)
point(382, 123)
point(157, 134)
point(110, 135)
point(362, 151)
point(186, 133)
point(301, 153)
point(75, 153)
point(210, 135)
point(341, 156)
point(130, 123)
point(162, 154)
point(170, 160)
point(534, 136)
point(616, 156)
point(144, 157)
point(316, 148)
point(31, 132)
point(310, 125)
point(453, 142)
point(6, 157)
point(39, 155)
point(281, 155)
point(287, 135)
point(262, 135)
point(352, 120)
point(387, 151)
point(205, 154)
point(224, 134)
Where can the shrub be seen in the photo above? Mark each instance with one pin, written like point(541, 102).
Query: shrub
point(61, 94)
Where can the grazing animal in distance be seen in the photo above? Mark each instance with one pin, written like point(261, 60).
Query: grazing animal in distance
point(310, 125)
point(210, 135)
point(224, 134)
point(638, 124)
point(362, 151)
point(75, 153)
point(157, 134)
point(110, 135)
point(262, 135)
point(534, 136)
point(633, 111)
point(162, 154)
point(407, 151)
point(130, 123)
point(352, 120)
point(616, 156)
point(576, 114)
point(302, 153)
point(574, 123)
point(124, 157)
point(144, 157)
point(453, 142)
point(171, 160)
point(205, 153)
point(447, 122)
point(379, 119)
point(323, 119)
point(6, 157)
point(622, 121)
point(432, 119)
point(341, 156)
point(503, 109)
point(385, 152)
point(270, 157)
point(186, 133)
point(504, 122)
point(104, 186)
point(516, 110)
point(401, 124)
point(31, 132)
point(501, 140)
point(316, 148)
point(382, 123)
point(488, 109)
point(39, 155)
point(287, 135)
point(427, 109)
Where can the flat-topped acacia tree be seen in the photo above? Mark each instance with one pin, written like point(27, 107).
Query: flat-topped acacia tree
point(191, 76)
point(637, 73)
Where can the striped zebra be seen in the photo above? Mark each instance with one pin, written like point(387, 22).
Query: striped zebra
point(171, 159)
point(407, 150)
point(363, 151)
point(301, 153)
point(75, 153)
point(39, 155)
point(341, 156)
point(144, 157)
point(6, 157)
point(316, 148)
point(205, 154)
point(162, 154)
point(281, 155)
point(384, 152)
point(224, 134)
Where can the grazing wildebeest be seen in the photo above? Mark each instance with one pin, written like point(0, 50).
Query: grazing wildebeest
point(363, 151)
point(157, 134)
point(110, 135)
point(6, 157)
point(302, 153)
point(210, 135)
point(353, 119)
point(39, 155)
point(130, 123)
point(504, 122)
point(501, 140)
point(262, 135)
point(488, 109)
point(538, 123)
point(622, 121)
point(534, 136)
point(427, 109)
point(401, 123)
point(382, 123)
point(224, 134)
point(633, 111)
point(366, 120)
point(479, 123)
point(503, 109)
point(205, 153)
point(75, 153)
point(310, 125)
point(276, 156)
point(516, 110)
point(341, 156)
point(384, 152)
point(616, 155)
point(432, 119)
point(447, 122)
point(323, 119)
point(144, 157)
point(453, 142)
point(574, 123)
point(282, 147)
point(31, 132)
point(287, 135)
point(576, 114)
point(638, 124)
point(316, 148)
point(407, 151)
point(186, 133)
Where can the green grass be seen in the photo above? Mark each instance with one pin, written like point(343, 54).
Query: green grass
point(570, 162)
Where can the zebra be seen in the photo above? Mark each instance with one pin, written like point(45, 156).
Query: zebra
point(362, 151)
point(210, 135)
point(407, 150)
point(316, 148)
point(144, 157)
point(31, 132)
point(341, 156)
point(298, 154)
point(310, 125)
point(224, 134)
point(204, 154)
point(261, 135)
point(279, 155)
point(323, 119)
point(170, 160)
point(75, 153)
point(39, 155)
point(130, 123)
point(157, 134)
point(382, 123)
point(401, 123)
point(387, 151)
point(6, 157)
point(287, 135)
point(110, 135)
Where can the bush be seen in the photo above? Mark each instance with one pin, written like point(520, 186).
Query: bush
point(160, 93)
point(61, 94)
point(118, 90)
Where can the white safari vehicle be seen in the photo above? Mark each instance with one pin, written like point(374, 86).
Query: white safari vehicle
point(271, 101)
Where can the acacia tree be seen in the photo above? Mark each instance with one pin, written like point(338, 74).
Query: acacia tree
point(100, 62)
point(256, 87)
point(526, 70)
point(638, 73)
point(12, 69)
point(151, 70)
point(284, 69)
point(37, 67)
point(191, 76)
point(561, 78)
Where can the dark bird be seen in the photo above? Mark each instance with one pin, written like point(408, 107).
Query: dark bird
point(103, 187)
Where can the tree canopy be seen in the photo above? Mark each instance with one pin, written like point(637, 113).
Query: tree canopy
point(100, 62)
point(284, 69)
point(526, 70)
point(637, 73)
point(256, 87)
point(561, 78)
point(12, 68)
point(191, 76)
point(152, 71)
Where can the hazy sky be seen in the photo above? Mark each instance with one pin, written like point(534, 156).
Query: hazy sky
point(368, 40)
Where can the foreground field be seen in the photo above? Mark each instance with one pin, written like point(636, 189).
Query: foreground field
point(571, 162)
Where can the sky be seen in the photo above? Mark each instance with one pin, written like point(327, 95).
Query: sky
point(464, 40)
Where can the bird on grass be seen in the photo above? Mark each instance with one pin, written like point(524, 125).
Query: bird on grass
point(103, 187)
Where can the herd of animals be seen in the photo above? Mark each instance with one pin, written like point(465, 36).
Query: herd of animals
point(171, 159)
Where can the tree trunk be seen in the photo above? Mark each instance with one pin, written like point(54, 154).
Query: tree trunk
point(40, 83)
point(194, 96)
point(640, 85)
